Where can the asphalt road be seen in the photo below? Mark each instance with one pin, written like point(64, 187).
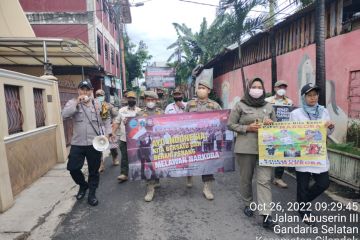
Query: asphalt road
point(180, 213)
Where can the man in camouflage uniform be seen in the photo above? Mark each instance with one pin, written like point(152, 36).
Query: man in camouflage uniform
point(163, 100)
point(203, 104)
point(150, 99)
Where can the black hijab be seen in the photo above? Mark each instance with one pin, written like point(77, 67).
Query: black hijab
point(254, 102)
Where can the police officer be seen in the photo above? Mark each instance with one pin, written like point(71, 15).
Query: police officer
point(178, 106)
point(280, 99)
point(150, 99)
point(85, 112)
point(203, 104)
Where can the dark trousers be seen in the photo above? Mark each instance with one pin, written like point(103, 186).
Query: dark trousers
point(305, 193)
point(279, 172)
point(124, 168)
point(207, 178)
point(76, 162)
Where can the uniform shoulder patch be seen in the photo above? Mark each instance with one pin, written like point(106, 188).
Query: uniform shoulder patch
point(192, 103)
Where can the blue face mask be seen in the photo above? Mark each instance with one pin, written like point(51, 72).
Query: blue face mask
point(101, 98)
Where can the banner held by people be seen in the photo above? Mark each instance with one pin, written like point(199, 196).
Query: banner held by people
point(293, 144)
point(185, 144)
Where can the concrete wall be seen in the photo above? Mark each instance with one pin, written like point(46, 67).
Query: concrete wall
point(297, 68)
point(27, 155)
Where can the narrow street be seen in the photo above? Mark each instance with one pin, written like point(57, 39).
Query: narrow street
point(179, 213)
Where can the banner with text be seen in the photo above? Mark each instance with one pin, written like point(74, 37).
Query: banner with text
point(160, 77)
point(177, 145)
point(293, 144)
point(282, 112)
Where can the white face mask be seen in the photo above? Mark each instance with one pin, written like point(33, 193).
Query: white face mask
point(256, 93)
point(150, 105)
point(281, 92)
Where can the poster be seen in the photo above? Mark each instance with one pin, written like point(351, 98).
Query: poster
point(177, 145)
point(293, 144)
point(160, 77)
point(282, 112)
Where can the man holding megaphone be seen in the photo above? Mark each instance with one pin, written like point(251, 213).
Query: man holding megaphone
point(90, 137)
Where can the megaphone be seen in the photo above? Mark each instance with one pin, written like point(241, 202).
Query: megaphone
point(100, 143)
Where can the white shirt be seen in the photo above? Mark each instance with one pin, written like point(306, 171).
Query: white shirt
point(125, 112)
point(172, 108)
point(300, 115)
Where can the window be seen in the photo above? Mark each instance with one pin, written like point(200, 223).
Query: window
point(13, 109)
point(39, 107)
point(99, 45)
point(106, 51)
point(112, 57)
point(117, 60)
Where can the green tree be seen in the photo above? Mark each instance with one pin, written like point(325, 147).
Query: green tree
point(243, 24)
point(135, 58)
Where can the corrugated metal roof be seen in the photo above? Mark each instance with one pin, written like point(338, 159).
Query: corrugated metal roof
point(30, 51)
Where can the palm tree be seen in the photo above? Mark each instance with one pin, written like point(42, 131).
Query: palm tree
point(242, 24)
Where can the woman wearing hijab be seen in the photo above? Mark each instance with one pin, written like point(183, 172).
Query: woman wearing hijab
point(311, 110)
point(245, 119)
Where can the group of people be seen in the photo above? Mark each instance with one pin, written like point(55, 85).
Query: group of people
point(246, 117)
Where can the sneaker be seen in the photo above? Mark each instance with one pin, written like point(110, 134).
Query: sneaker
point(268, 222)
point(150, 192)
point(207, 191)
point(279, 182)
point(122, 178)
point(189, 181)
point(248, 212)
point(116, 162)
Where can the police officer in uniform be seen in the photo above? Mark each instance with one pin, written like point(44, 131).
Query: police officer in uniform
point(150, 99)
point(85, 112)
point(203, 104)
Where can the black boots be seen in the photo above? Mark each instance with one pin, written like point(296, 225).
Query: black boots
point(92, 200)
point(248, 212)
point(81, 193)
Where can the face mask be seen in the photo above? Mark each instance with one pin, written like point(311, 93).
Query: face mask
point(101, 98)
point(281, 92)
point(256, 93)
point(178, 99)
point(160, 95)
point(202, 93)
point(131, 103)
point(150, 105)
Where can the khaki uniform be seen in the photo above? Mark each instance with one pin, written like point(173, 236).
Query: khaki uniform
point(284, 101)
point(203, 106)
point(247, 153)
point(163, 102)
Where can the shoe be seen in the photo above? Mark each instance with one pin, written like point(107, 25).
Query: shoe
point(150, 192)
point(268, 222)
point(116, 162)
point(306, 217)
point(157, 183)
point(92, 200)
point(248, 212)
point(81, 193)
point(102, 167)
point(207, 191)
point(189, 181)
point(279, 182)
point(122, 178)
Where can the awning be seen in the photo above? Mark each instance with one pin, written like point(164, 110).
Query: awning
point(35, 51)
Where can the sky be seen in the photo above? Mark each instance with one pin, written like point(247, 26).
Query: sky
point(152, 22)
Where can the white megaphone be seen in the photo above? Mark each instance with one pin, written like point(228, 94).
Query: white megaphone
point(100, 143)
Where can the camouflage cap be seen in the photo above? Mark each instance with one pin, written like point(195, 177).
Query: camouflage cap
point(177, 90)
point(280, 83)
point(205, 83)
point(150, 94)
point(100, 92)
point(131, 94)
